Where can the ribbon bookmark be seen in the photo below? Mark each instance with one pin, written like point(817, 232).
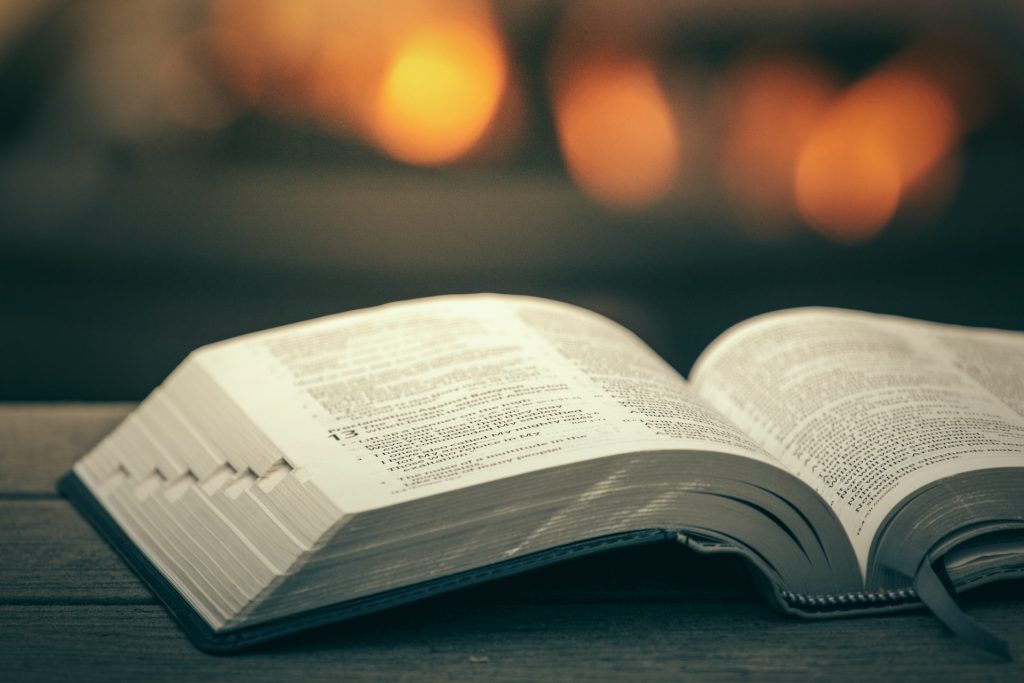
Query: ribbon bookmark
point(939, 599)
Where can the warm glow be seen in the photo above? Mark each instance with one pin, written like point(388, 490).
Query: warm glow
point(439, 93)
point(769, 105)
point(887, 132)
point(617, 133)
point(847, 189)
point(420, 79)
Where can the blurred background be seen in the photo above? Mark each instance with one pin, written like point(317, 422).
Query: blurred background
point(177, 172)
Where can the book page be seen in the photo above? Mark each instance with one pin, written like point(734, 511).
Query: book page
point(868, 408)
point(417, 398)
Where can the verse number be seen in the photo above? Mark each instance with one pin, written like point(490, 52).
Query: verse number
point(339, 434)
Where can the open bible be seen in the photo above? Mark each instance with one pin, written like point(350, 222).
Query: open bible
point(334, 467)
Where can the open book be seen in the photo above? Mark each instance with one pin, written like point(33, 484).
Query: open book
point(339, 466)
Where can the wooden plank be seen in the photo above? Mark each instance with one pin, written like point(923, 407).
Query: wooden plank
point(39, 443)
point(53, 555)
point(439, 640)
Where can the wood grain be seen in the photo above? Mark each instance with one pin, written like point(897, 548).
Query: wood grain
point(53, 555)
point(441, 641)
point(40, 442)
point(69, 610)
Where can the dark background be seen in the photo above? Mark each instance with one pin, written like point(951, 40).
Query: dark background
point(126, 240)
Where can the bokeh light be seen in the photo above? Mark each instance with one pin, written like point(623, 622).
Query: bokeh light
point(419, 79)
point(882, 135)
point(847, 188)
point(616, 131)
point(768, 105)
point(439, 93)
point(430, 82)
